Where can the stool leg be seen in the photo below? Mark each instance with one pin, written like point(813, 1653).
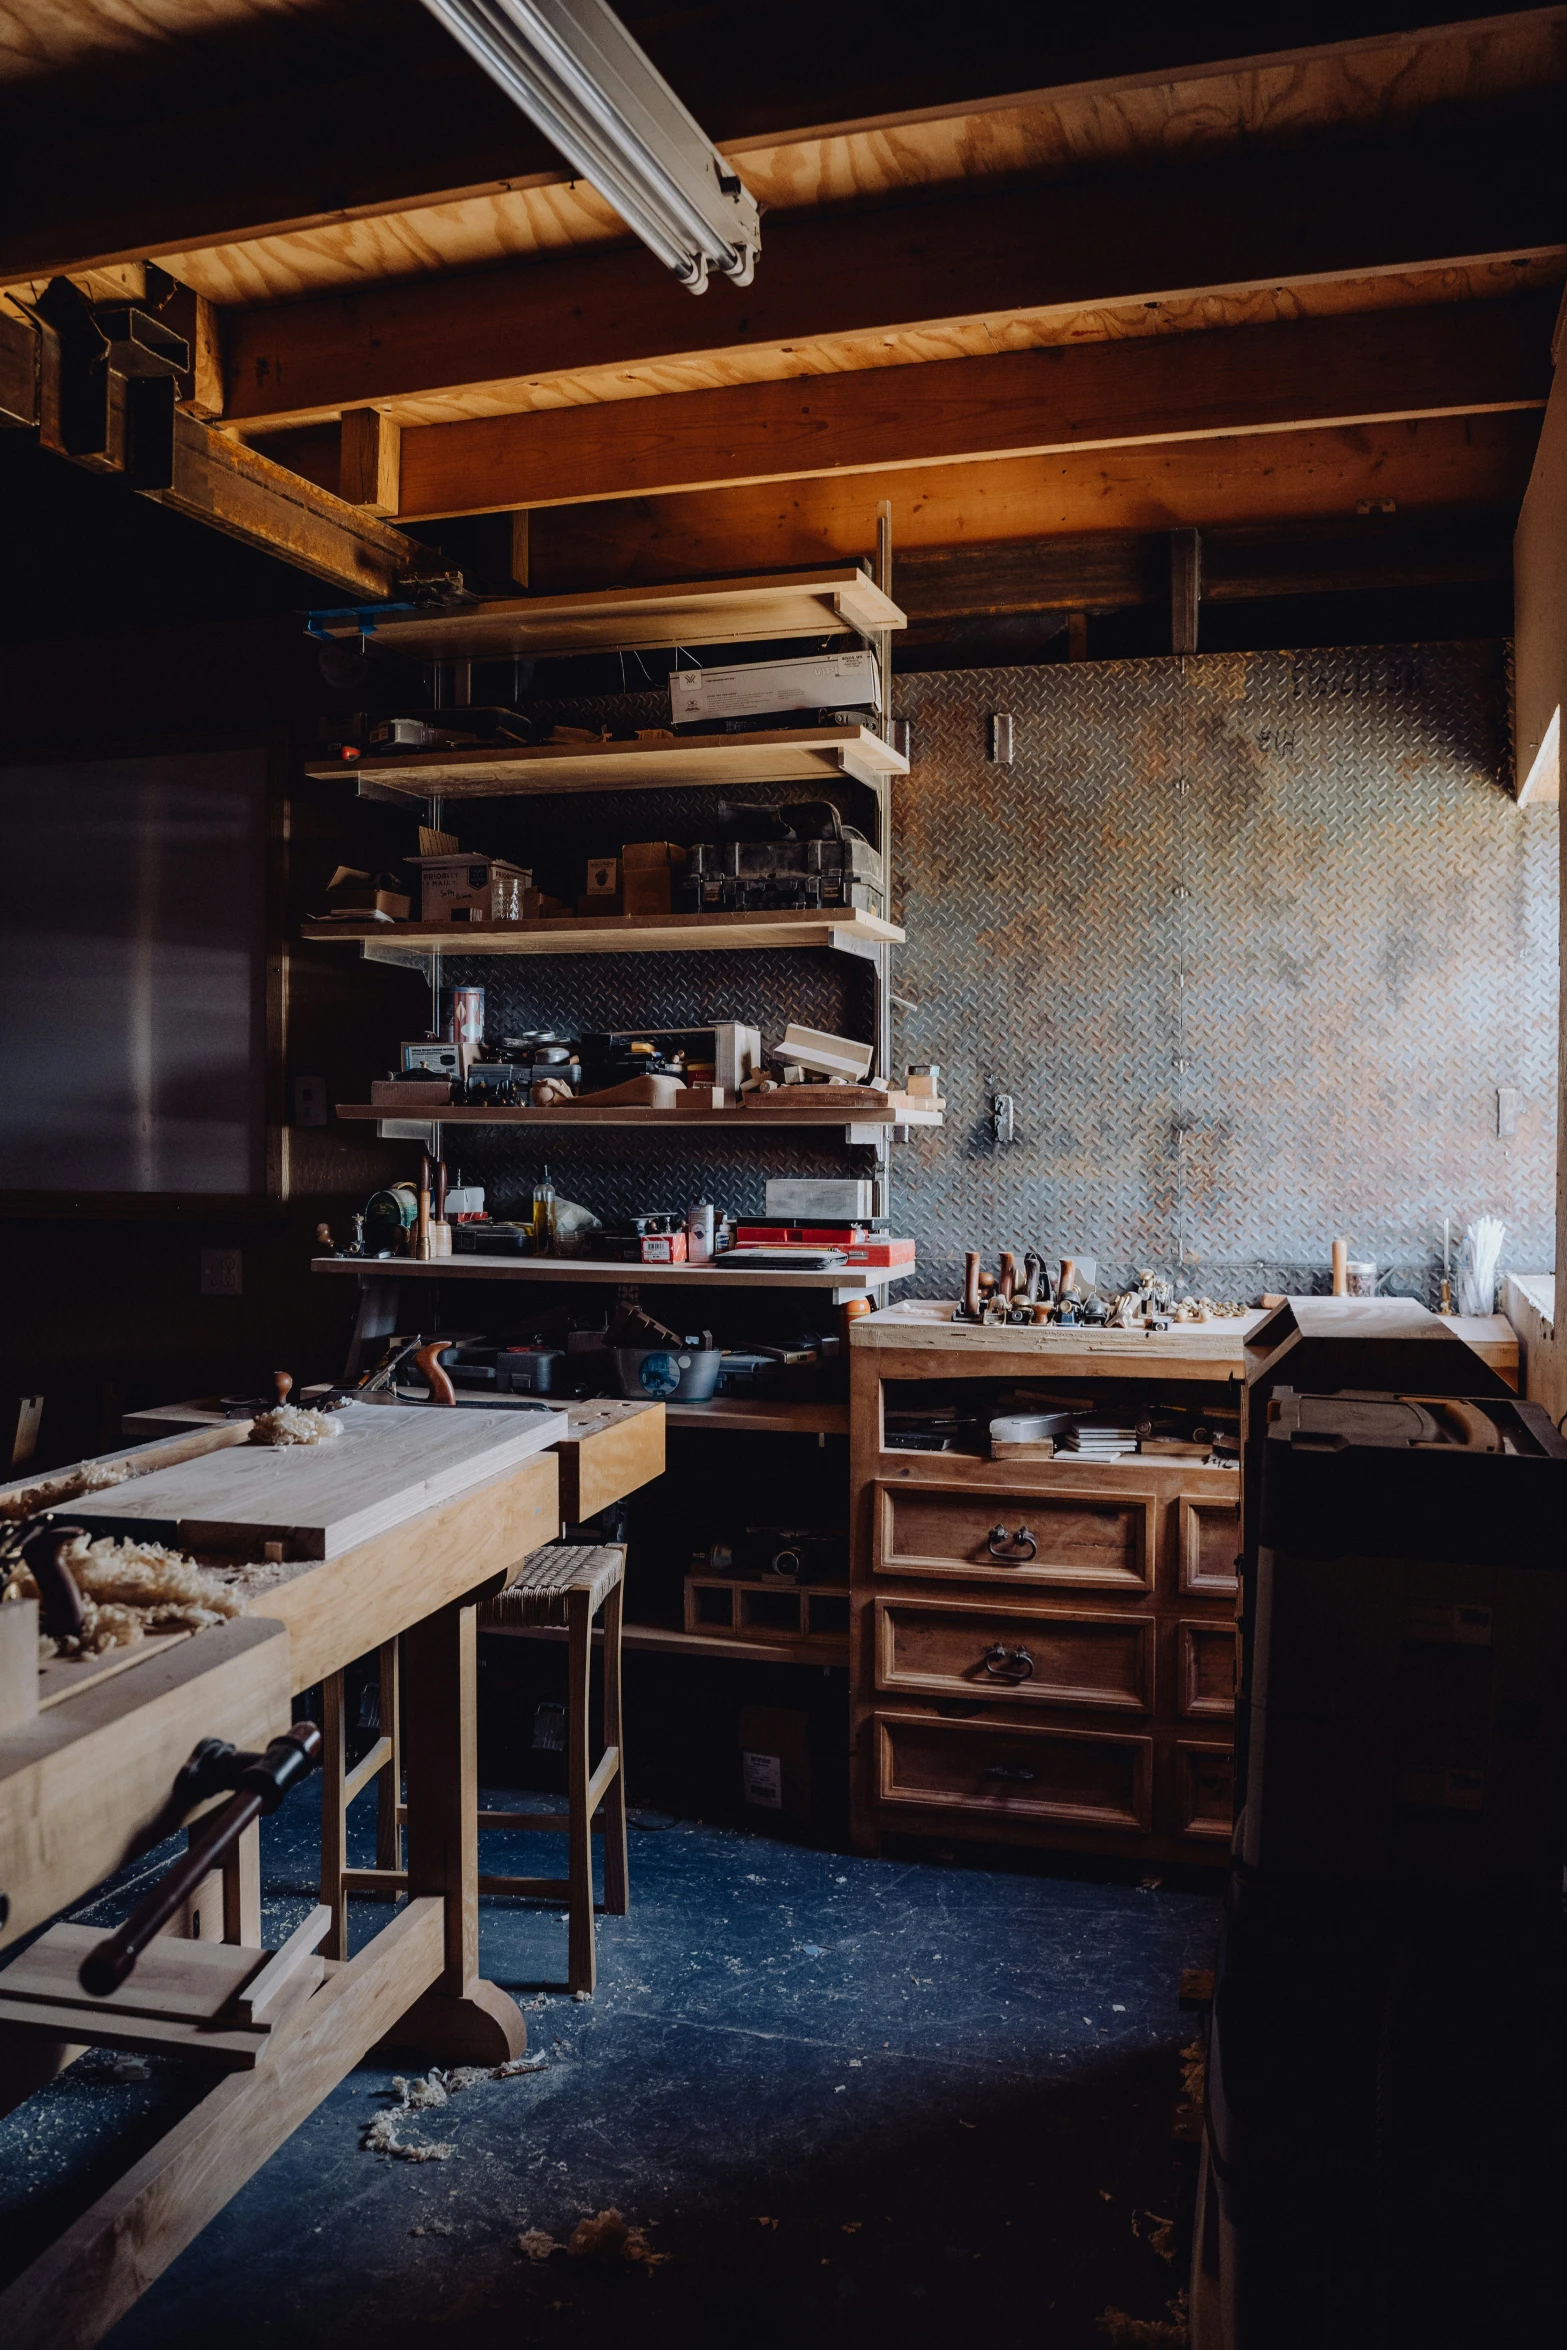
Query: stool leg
point(389, 1786)
point(581, 1968)
point(613, 1807)
point(334, 1823)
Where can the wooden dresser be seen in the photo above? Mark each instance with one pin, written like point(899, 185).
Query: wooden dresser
point(1111, 1732)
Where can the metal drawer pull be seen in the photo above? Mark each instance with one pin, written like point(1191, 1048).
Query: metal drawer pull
point(1014, 1549)
point(1008, 1664)
point(1009, 1771)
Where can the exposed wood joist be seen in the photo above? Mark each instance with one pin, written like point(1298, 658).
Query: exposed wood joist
point(1453, 463)
point(1469, 195)
point(1540, 599)
point(1341, 371)
point(413, 163)
point(218, 481)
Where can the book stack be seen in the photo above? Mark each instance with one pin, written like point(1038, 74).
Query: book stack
point(1100, 1440)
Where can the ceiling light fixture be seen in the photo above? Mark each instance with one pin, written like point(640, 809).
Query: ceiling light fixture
point(574, 70)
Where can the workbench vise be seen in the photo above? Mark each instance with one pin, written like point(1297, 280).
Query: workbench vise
point(259, 1783)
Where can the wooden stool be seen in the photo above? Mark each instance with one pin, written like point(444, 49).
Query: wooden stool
point(566, 1583)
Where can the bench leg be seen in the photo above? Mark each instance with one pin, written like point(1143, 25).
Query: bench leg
point(613, 1807)
point(389, 1785)
point(334, 1818)
point(581, 1968)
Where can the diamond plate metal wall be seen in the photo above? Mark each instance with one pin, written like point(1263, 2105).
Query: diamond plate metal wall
point(1253, 939)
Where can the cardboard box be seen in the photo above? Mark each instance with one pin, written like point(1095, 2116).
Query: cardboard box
point(775, 1761)
point(603, 880)
point(648, 889)
point(804, 1199)
point(481, 891)
point(639, 854)
point(751, 689)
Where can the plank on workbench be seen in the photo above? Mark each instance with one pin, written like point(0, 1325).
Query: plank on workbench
point(319, 1500)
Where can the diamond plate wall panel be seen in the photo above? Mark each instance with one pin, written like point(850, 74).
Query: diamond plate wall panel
point(1252, 938)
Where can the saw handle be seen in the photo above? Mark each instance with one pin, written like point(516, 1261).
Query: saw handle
point(60, 1610)
point(260, 1782)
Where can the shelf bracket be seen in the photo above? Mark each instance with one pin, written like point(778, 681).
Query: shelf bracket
point(372, 950)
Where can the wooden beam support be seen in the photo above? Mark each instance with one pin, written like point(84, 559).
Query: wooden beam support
point(1357, 370)
point(1467, 463)
point(1479, 191)
point(370, 466)
point(219, 481)
point(1185, 589)
point(1540, 611)
point(18, 370)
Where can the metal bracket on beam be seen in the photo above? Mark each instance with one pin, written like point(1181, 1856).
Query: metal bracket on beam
point(844, 942)
point(375, 950)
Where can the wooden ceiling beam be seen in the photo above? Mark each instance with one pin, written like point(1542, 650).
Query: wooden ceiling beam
point(1440, 464)
point(446, 346)
point(1327, 371)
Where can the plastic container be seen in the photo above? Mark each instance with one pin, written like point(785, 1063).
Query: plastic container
point(661, 1374)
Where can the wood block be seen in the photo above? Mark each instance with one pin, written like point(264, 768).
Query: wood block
point(704, 1097)
point(18, 1662)
point(611, 1450)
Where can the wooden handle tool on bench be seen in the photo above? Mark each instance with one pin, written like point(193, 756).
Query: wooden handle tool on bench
point(428, 1358)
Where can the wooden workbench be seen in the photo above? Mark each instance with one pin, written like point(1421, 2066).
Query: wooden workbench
point(86, 1781)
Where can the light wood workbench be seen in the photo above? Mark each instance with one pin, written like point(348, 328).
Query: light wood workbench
point(86, 1780)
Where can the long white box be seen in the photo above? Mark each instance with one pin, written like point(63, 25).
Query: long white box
point(844, 1198)
point(749, 689)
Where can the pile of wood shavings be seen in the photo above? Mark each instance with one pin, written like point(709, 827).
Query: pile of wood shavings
point(289, 1425)
point(96, 1477)
point(604, 2236)
point(383, 2134)
point(132, 1588)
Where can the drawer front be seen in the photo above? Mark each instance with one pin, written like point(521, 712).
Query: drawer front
point(1029, 1655)
point(1209, 1537)
point(1104, 1541)
point(1078, 1778)
point(1205, 1668)
point(1205, 1791)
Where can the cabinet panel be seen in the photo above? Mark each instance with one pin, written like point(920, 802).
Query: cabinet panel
point(1206, 1668)
point(1081, 1778)
point(1033, 1655)
point(1209, 1537)
point(1205, 1791)
point(1108, 1540)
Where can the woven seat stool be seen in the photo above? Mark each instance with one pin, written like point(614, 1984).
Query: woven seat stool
point(566, 1583)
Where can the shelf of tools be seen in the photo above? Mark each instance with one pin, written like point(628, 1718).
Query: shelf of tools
point(767, 1618)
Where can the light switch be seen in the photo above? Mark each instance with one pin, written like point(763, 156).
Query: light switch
point(310, 1101)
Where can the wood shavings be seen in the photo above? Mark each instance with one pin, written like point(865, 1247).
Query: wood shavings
point(380, 2137)
point(1147, 2333)
point(605, 2237)
point(95, 1477)
point(435, 2087)
point(132, 1588)
point(289, 1425)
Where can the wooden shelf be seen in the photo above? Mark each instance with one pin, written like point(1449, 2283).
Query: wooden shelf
point(843, 1281)
point(734, 1121)
point(661, 1639)
point(854, 931)
point(816, 754)
point(836, 600)
point(760, 1416)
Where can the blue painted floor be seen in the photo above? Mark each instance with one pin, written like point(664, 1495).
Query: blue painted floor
point(841, 2096)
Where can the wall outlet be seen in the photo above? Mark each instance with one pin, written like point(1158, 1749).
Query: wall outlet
point(310, 1101)
point(222, 1272)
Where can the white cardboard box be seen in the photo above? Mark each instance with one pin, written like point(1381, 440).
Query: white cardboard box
point(750, 689)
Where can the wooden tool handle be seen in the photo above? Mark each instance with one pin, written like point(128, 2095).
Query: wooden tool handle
point(1008, 1276)
point(60, 1610)
point(428, 1359)
point(1341, 1268)
point(283, 1381)
point(440, 1191)
point(971, 1284)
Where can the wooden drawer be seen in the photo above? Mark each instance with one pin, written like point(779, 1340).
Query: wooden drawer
point(1103, 1540)
point(1205, 1791)
point(1206, 1664)
point(1079, 1778)
point(1209, 1537)
point(1030, 1655)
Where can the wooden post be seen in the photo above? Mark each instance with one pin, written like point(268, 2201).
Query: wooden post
point(616, 1862)
point(1185, 589)
point(519, 546)
point(463, 2020)
point(389, 1785)
point(370, 461)
point(334, 1828)
point(581, 1964)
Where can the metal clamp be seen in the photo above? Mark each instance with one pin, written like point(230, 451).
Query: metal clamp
point(1012, 1550)
point(1008, 1664)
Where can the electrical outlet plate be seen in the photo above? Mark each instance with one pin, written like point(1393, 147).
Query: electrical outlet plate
point(310, 1101)
point(222, 1272)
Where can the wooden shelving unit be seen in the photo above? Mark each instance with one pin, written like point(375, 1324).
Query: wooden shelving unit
point(836, 600)
point(788, 755)
point(733, 1121)
point(853, 931)
point(841, 1282)
point(743, 1415)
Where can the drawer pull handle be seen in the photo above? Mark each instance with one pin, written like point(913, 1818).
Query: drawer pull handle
point(1014, 1549)
point(1014, 1771)
point(1008, 1664)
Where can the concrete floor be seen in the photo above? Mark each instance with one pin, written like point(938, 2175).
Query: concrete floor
point(840, 2095)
